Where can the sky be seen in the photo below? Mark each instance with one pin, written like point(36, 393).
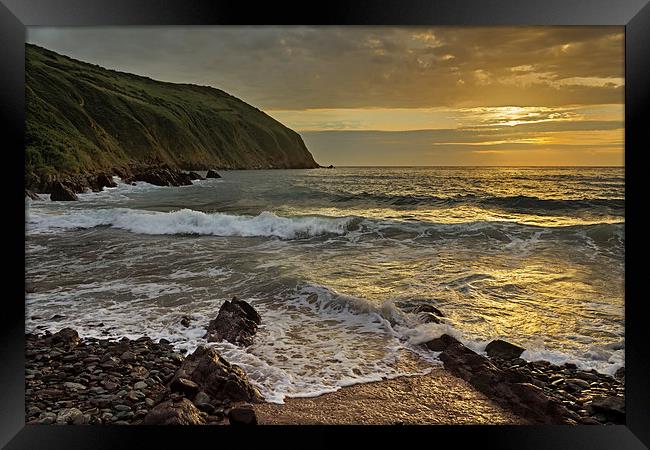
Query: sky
point(396, 95)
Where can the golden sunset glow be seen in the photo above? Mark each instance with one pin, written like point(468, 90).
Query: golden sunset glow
point(398, 95)
point(348, 224)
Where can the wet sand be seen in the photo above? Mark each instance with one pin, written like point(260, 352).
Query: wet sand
point(435, 398)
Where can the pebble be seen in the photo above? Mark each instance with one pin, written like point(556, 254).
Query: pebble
point(74, 386)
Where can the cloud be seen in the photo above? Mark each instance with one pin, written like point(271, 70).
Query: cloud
point(396, 95)
point(360, 67)
point(459, 147)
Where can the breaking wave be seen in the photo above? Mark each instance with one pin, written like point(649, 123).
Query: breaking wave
point(187, 221)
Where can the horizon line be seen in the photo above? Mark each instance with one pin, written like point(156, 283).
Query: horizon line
point(489, 165)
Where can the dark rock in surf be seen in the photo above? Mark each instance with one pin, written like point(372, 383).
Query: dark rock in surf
point(182, 412)
point(31, 195)
point(216, 377)
point(427, 317)
point(185, 321)
point(61, 192)
point(427, 308)
point(212, 174)
point(236, 323)
point(442, 343)
point(242, 415)
point(195, 176)
point(427, 311)
point(330, 166)
point(104, 180)
point(161, 176)
point(502, 349)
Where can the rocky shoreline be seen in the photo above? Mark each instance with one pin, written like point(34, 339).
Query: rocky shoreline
point(131, 382)
point(66, 187)
point(539, 391)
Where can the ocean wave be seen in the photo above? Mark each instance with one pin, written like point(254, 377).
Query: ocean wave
point(187, 221)
point(413, 329)
point(268, 224)
point(516, 203)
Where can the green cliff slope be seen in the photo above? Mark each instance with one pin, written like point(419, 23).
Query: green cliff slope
point(83, 118)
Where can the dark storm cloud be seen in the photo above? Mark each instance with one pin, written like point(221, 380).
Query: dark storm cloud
point(359, 67)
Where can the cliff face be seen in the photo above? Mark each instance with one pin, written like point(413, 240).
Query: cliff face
point(83, 118)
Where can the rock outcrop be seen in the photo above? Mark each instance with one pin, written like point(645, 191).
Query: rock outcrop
point(236, 323)
point(215, 377)
point(160, 176)
point(212, 174)
point(62, 193)
point(31, 195)
point(506, 387)
point(101, 181)
point(539, 391)
point(195, 176)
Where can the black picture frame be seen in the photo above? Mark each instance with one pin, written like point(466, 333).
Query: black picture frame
point(16, 15)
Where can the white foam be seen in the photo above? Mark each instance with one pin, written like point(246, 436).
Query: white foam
point(187, 221)
point(298, 352)
point(600, 359)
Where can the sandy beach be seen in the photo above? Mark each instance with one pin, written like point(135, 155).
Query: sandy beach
point(437, 398)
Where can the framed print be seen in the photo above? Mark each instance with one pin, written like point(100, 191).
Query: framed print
point(369, 217)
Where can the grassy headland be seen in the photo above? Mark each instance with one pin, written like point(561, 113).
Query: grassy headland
point(82, 118)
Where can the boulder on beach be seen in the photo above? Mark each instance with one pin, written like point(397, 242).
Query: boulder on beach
point(70, 416)
point(502, 349)
point(611, 408)
point(242, 415)
point(236, 323)
point(212, 174)
point(67, 337)
point(620, 373)
point(186, 387)
point(181, 412)
point(62, 193)
point(215, 377)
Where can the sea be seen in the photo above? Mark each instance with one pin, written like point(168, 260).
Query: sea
point(330, 258)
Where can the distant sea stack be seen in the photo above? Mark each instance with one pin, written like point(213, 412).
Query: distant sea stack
point(82, 118)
